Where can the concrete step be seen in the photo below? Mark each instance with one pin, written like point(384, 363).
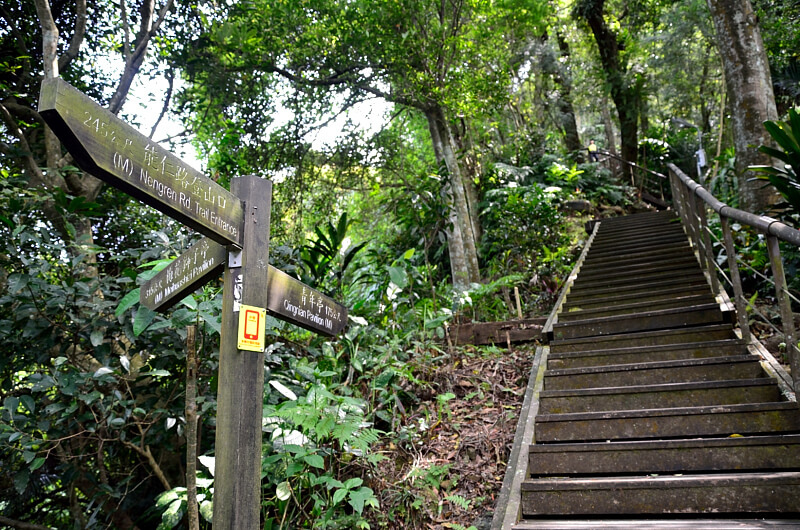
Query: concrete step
point(773, 492)
point(697, 455)
point(636, 339)
point(683, 422)
point(574, 312)
point(702, 314)
point(653, 373)
point(666, 395)
point(639, 354)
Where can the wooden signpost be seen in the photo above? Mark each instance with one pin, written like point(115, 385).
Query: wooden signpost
point(289, 299)
point(236, 229)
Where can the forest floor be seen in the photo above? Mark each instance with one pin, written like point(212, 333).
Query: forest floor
point(448, 472)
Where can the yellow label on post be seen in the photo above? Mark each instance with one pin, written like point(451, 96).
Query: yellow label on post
point(252, 328)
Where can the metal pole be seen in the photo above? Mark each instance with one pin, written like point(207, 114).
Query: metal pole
point(787, 318)
point(710, 261)
point(736, 280)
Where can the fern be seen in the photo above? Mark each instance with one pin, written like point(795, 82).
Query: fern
point(459, 501)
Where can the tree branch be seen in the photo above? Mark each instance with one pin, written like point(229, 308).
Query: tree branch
point(38, 177)
point(77, 36)
point(165, 107)
point(148, 455)
point(22, 526)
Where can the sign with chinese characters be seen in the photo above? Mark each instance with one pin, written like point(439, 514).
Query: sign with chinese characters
point(288, 298)
point(113, 151)
point(252, 328)
point(190, 271)
point(292, 300)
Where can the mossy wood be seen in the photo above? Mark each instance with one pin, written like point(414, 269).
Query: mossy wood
point(113, 151)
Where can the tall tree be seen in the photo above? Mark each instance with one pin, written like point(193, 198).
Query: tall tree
point(624, 84)
point(749, 87)
point(441, 58)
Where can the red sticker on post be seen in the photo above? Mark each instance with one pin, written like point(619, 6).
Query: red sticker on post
point(252, 328)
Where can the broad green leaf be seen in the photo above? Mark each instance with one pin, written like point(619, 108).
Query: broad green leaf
point(208, 462)
point(127, 302)
point(17, 282)
point(96, 338)
point(173, 515)
point(207, 510)
point(103, 370)
point(28, 403)
point(37, 463)
point(398, 276)
point(359, 497)
point(21, 480)
point(408, 254)
point(284, 490)
point(339, 495)
point(353, 483)
point(287, 393)
point(143, 318)
point(315, 461)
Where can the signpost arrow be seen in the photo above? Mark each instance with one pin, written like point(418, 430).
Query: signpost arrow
point(289, 299)
point(113, 151)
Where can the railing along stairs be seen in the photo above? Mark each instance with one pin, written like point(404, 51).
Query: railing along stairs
point(653, 405)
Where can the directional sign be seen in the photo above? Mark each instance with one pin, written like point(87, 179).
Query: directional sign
point(292, 300)
point(190, 271)
point(113, 151)
point(287, 298)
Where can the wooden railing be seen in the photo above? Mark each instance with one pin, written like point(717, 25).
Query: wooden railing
point(692, 202)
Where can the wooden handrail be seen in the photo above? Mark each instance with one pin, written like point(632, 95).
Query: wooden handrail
point(685, 192)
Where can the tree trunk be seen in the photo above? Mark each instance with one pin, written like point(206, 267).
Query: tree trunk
point(749, 89)
point(192, 510)
point(623, 93)
point(460, 237)
point(566, 110)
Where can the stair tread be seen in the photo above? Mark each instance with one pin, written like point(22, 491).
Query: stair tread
point(653, 524)
point(682, 301)
point(665, 387)
point(674, 411)
point(618, 445)
point(653, 365)
point(649, 482)
point(648, 349)
point(704, 329)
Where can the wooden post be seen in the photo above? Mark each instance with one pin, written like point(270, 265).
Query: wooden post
point(237, 487)
point(706, 238)
point(785, 304)
point(736, 280)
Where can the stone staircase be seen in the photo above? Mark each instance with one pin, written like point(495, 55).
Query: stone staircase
point(651, 412)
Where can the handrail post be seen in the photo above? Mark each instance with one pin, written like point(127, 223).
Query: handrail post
point(736, 280)
point(674, 186)
point(785, 304)
point(710, 261)
point(695, 224)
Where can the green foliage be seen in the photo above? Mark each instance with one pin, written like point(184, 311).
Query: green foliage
point(322, 268)
point(786, 179)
